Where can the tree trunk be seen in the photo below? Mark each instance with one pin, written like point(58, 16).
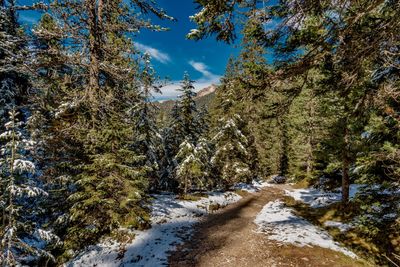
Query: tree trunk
point(284, 160)
point(345, 165)
point(311, 136)
point(185, 186)
point(310, 156)
point(94, 49)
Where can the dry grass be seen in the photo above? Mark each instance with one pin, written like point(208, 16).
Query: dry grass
point(189, 197)
point(370, 250)
point(302, 184)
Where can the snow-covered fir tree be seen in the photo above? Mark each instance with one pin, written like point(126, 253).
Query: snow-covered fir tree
point(13, 53)
point(203, 152)
point(185, 125)
point(188, 110)
point(148, 140)
point(17, 171)
point(231, 158)
point(171, 139)
point(192, 169)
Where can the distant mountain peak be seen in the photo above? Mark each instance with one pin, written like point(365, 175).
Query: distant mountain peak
point(206, 91)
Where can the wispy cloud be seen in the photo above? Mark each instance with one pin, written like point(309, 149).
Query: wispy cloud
point(154, 53)
point(200, 67)
point(208, 77)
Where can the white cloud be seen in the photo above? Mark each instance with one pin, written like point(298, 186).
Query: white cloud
point(208, 78)
point(154, 53)
point(201, 67)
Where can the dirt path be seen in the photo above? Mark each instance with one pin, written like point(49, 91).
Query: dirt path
point(228, 238)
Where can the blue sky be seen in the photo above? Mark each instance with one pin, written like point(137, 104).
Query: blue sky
point(172, 54)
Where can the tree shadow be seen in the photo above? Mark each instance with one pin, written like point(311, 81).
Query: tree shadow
point(207, 237)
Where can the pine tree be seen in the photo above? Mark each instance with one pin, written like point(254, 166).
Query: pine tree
point(349, 65)
point(187, 124)
point(191, 170)
point(91, 122)
point(204, 152)
point(13, 52)
point(230, 159)
point(378, 162)
point(148, 140)
point(16, 172)
point(225, 96)
point(309, 123)
point(172, 137)
point(188, 110)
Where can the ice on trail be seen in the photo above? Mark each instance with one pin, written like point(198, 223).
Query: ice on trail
point(282, 225)
point(317, 198)
point(171, 220)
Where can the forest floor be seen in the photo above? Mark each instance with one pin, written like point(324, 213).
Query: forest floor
point(230, 237)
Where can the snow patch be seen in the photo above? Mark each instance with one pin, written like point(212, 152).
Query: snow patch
point(172, 219)
point(254, 187)
point(283, 226)
point(317, 198)
point(341, 226)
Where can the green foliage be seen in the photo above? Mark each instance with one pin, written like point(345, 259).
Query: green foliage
point(327, 106)
point(186, 128)
point(191, 170)
point(231, 159)
point(94, 119)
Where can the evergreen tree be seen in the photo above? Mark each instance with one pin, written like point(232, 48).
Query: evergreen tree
point(225, 96)
point(309, 123)
point(379, 160)
point(148, 140)
point(231, 159)
point(188, 110)
point(92, 122)
point(204, 153)
point(187, 124)
point(16, 173)
point(172, 138)
point(324, 34)
point(13, 52)
point(191, 170)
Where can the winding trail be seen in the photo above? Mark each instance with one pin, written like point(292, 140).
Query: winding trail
point(229, 238)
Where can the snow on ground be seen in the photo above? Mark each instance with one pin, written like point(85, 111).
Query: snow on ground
point(254, 187)
point(283, 226)
point(171, 220)
point(343, 227)
point(317, 198)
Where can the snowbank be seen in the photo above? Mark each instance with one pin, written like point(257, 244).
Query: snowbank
point(343, 227)
point(317, 198)
point(171, 220)
point(283, 226)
